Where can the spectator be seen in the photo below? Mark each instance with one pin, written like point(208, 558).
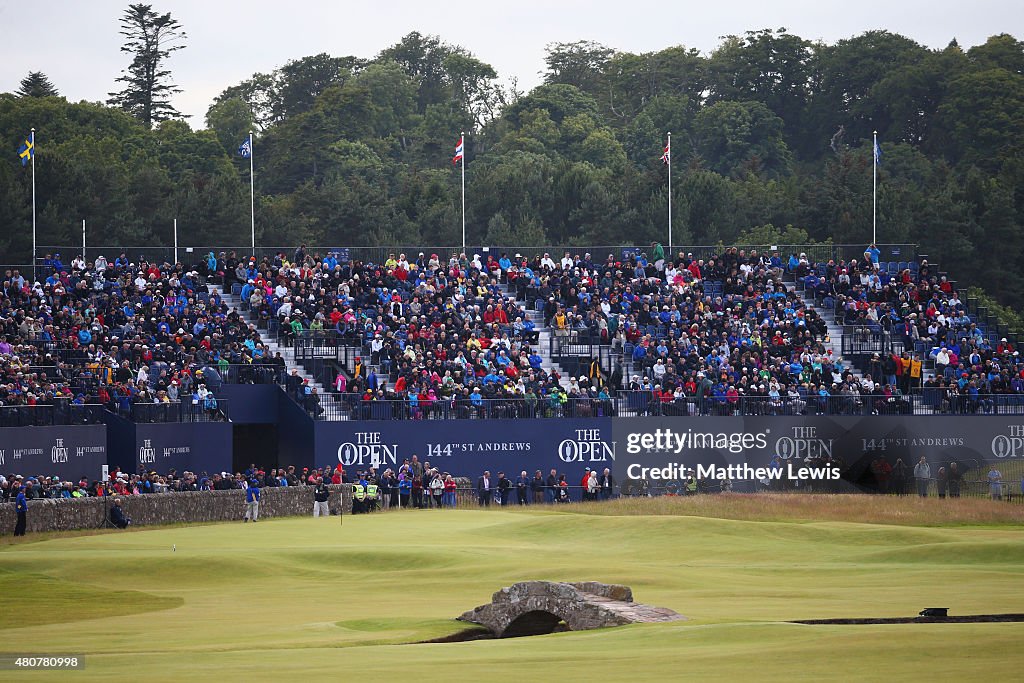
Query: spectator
point(484, 491)
point(995, 483)
point(922, 474)
point(117, 516)
point(252, 503)
point(955, 479)
point(321, 495)
point(21, 509)
point(450, 490)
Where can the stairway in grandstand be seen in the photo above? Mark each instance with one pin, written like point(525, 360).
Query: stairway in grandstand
point(329, 400)
point(233, 302)
point(858, 361)
point(544, 334)
point(834, 342)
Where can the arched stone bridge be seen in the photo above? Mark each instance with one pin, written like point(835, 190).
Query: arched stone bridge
point(537, 607)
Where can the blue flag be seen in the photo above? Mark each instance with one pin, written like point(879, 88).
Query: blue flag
point(878, 154)
point(27, 151)
point(245, 150)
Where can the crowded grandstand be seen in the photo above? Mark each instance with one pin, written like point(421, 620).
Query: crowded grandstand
point(488, 334)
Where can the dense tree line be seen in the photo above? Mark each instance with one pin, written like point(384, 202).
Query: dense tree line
point(771, 141)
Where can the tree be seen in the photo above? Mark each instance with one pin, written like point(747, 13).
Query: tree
point(1001, 52)
point(766, 66)
point(392, 93)
point(739, 137)
point(634, 81)
point(912, 96)
point(579, 64)
point(422, 57)
point(231, 121)
point(36, 84)
point(300, 82)
point(474, 88)
point(983, 115)
point(843, 78)
point(151, 38)
point(259, 93)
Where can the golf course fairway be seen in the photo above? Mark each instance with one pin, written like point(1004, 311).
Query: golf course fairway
point(311, 599)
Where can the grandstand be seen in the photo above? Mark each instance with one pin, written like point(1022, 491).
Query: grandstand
point(613, 335)
point(314, 357)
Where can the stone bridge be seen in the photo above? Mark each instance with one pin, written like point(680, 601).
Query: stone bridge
point(537, 607)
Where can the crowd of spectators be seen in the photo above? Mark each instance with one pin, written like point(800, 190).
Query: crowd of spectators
point(964, 368)
point(749, 343)
point(440, 337)
point(442, 333)
point(411, 484)
point(454, 336)
point(122, 483)
point(120, 334)
point(432, 331)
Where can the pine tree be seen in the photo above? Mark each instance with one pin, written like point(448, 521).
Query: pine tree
point(36, 84)
point(151, 38)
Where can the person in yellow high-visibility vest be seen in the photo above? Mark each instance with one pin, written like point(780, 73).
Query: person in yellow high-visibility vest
point(358, 498)
point(372, 496)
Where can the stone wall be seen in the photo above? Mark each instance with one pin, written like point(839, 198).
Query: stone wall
point(167, 508)
point(199, 506)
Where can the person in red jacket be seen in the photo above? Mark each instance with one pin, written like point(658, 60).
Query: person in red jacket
point(583, 484)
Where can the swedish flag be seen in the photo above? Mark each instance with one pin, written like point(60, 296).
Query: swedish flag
point(27, 150)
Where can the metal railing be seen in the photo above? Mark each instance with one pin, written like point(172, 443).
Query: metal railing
point(649, 403)
point(355, 407)
point(379, 254)
point(249, 373)
point(176, 411)
point(60, 413)
point(869, 338)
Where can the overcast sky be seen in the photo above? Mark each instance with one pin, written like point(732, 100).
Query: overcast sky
point(76, 42)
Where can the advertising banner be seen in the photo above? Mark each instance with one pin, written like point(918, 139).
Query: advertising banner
point(830, 453)
point(197, 447)
point(70, 452)
point(468, 447)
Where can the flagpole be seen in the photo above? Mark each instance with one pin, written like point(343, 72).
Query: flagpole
point(462, 138)
point(32, 156)
point(83, 239)
point(175, 241)
point(669, 159)
point(252, 197)
point(874, 189)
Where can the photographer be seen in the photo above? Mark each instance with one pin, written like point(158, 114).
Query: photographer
point(504, 489)
point(320, 496)
point(117, 516)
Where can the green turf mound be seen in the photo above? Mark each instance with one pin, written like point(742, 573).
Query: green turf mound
point(966, 552)
point(56, 601)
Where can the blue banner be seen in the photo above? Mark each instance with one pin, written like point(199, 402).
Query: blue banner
point(834, 452)
point(198, 447)
point(70, 452)
point(468, 447)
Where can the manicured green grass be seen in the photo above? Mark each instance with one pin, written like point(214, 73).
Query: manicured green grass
point(302, 598)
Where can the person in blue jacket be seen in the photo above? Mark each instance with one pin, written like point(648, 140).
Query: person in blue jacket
point(21, 506)
point(252, 502)
point(404, 489)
